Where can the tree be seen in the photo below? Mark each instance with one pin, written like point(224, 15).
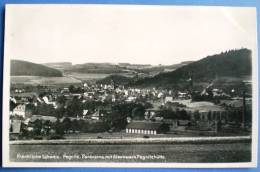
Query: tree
point(24, 131)
point(66, 124)
point(59, 127)
point(74, 89)
point(138, 113)
point(45, 110)
point(90, 105)
point(196, 115)
point(117, 118)
point(168, 114)
point(47, 125)
point(80, 125)
point(164, 128)
point(148, 105)
point(12, 105)
point(71, 88)
point(60, 112)
point(75, 125)
point(37, 127)
point(75, 108)
point(184, 115)
point(61, 100)
point(210, 116)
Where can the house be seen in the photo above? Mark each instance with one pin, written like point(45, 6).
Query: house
point(89, 94)
point(12, 99)
point(85, 85)
point(144, 127)
point(15, 129)
point(151, 113)
point(48, 102)
point(168, 99)
point(65, 90)
point(16, 126)
point(96, 115)
point(160, 95)
point(85, 113)
point(19, 90)
point(22, 110)
point(183, 95)
point(131, 99)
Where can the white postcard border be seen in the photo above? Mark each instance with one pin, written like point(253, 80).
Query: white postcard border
point(5, 113)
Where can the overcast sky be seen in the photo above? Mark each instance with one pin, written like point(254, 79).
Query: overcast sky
point(125, 33)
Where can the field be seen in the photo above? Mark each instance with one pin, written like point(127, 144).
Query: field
point(95, 76)
point(36, 80)
point(229, 152)
point(202, 106)
point(69, 78)
point(87, 76)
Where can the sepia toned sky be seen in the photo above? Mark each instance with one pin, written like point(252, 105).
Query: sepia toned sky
point(125, 33)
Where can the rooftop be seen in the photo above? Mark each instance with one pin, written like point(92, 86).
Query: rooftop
point(144, 125)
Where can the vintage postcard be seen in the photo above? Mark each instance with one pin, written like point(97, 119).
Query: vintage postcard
point(130, 86)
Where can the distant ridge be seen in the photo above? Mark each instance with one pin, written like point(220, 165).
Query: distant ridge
point(232, 63)
point(20, 67)
point(59, 65)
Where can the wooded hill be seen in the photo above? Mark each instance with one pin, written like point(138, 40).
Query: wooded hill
point(232, 63)
point(20, 67)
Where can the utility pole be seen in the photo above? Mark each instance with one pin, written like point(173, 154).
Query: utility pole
point(244, 109)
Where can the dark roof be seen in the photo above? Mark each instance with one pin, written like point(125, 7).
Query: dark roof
point(155, 109)
point(71, 118)
point(144, 125)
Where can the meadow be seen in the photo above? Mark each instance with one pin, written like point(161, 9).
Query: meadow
point(39, 80)
point(86, 76)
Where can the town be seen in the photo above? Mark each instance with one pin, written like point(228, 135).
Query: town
point(111, 110)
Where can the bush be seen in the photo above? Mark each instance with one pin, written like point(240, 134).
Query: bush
point(55, 137)
point(95, 127)
point(37, 138)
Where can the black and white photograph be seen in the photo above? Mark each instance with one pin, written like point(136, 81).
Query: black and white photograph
point(130, 86)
